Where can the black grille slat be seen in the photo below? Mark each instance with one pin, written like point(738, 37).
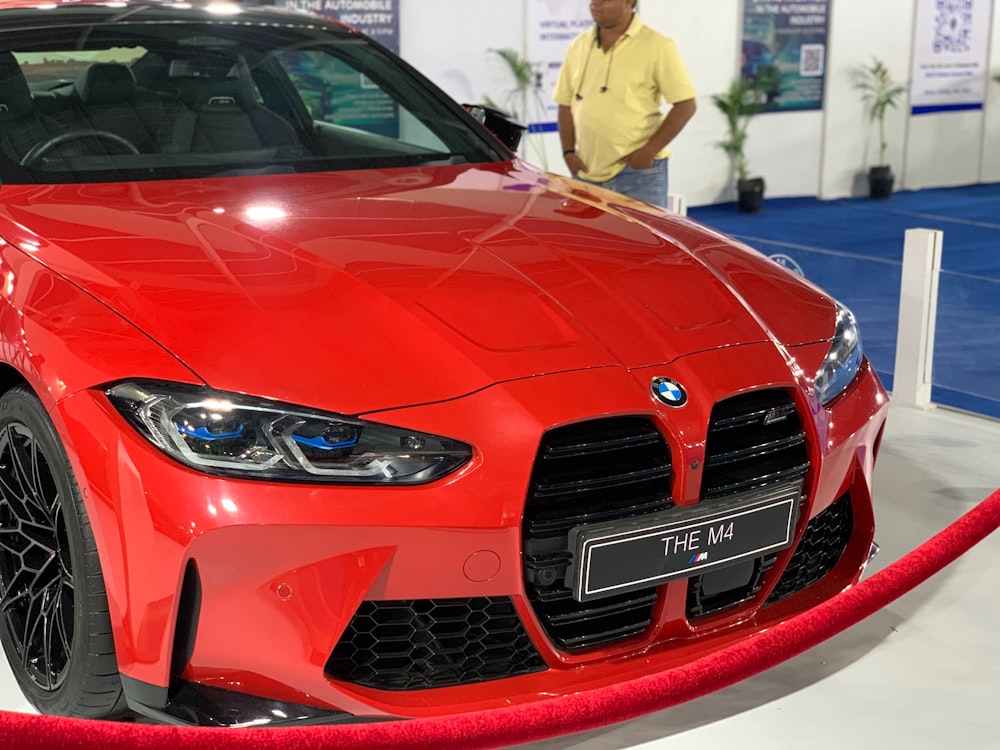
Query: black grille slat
point(592, 484)
point(756, 451)
point(594, 638)
point(599, 623)
point(757, 416)
point(754, 440)
point(433, 643)
point(756, 481)
point(594, 472)
point(595, 447)
point(820, 549)
point(600, 608)
point(561, 519)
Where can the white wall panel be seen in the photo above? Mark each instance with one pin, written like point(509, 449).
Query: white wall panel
point(991, 121)
point(449, 42)
point(860, 30)
point(785, 151)
point(944, 150)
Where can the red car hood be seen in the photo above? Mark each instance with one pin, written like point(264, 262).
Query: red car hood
point(359, 291)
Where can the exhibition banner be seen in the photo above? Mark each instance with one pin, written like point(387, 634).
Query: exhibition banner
point(378, 19)
point(784, 51)
point(354, 101)
point(950, 54)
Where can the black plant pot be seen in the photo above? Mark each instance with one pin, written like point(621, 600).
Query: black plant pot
point(880, 181)
point(751, 195)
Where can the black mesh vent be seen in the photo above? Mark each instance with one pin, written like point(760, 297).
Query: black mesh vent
point(433, 643)
point(819, 551)
point(755, 441)
point(598, 471)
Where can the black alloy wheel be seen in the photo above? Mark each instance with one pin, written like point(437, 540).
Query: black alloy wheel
point(54, 621)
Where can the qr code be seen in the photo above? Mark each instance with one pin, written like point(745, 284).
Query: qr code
point(953, 26)
point(811, 59)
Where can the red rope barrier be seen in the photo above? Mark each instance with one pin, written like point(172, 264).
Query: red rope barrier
point(537, 721)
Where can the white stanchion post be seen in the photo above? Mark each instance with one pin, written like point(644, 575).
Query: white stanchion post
point(917, 315)
point(677, 204)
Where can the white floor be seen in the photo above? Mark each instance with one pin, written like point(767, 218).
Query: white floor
point(923, 673)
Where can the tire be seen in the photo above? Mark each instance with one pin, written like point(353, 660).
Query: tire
point(54, 622)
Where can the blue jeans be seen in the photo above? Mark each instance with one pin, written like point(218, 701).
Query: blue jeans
point(648, 185)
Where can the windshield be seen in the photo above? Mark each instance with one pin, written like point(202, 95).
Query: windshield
point(96, 94)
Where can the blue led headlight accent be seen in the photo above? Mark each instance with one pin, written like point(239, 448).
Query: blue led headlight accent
point(321, 443)
point(203, 433)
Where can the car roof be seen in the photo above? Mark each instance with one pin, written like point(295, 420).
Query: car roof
point(43, 5)
point(263, 10)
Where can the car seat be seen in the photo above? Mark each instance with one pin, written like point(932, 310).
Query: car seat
point(22, 125)
point(227, 118)
point(106, 97)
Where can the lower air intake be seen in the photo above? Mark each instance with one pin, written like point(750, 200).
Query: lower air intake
point(819, 551)
point(433, 643)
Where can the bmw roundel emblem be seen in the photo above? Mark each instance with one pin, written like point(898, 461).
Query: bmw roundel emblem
point(669, 392)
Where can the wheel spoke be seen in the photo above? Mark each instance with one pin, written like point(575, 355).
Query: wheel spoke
point(24, 461)
point(40, 537)
point(49, 632)
point(25, 582)
point(32, 619)
point(12, 541)
point(63, 615)
point(12, 598)
point(11, 482)
point(12, 496)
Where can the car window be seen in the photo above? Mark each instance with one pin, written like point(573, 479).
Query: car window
point(339, 95)
point(46, 71)
point(100, 94)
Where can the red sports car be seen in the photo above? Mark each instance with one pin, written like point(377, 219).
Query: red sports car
point(319, 405)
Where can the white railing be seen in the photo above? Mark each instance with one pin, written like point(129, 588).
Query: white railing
point(677, 204)
point(918, 297)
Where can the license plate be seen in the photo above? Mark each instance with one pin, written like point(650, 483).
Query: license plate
point(625, 556)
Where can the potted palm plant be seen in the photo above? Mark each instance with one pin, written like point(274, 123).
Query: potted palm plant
point(879, 92)
point(741, 101)
point(524, 101)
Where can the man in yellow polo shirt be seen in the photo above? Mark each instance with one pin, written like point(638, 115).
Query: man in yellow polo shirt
point(610, 90)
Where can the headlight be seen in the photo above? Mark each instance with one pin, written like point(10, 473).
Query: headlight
point(229, 434)
point(843, 360)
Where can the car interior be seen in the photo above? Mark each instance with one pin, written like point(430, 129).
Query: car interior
point(185, 110)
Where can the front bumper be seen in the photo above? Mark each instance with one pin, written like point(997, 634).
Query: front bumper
point(248, 587)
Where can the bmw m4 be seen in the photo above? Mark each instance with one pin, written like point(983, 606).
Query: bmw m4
point(317, 404)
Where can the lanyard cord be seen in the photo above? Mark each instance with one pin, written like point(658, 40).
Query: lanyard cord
point(586, 64)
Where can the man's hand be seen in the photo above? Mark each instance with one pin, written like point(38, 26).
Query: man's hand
point(575, 163)
point(642, 158)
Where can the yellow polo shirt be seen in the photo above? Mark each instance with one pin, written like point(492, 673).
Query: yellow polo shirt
point(642, 70)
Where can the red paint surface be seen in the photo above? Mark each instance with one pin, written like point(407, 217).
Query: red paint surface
point(437, 299)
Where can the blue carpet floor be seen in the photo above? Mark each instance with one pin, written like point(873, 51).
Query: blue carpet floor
point(854, 249)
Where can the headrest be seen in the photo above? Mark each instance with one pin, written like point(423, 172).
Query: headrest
point(217, 94)
point(105, 83)
point(15, 96)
